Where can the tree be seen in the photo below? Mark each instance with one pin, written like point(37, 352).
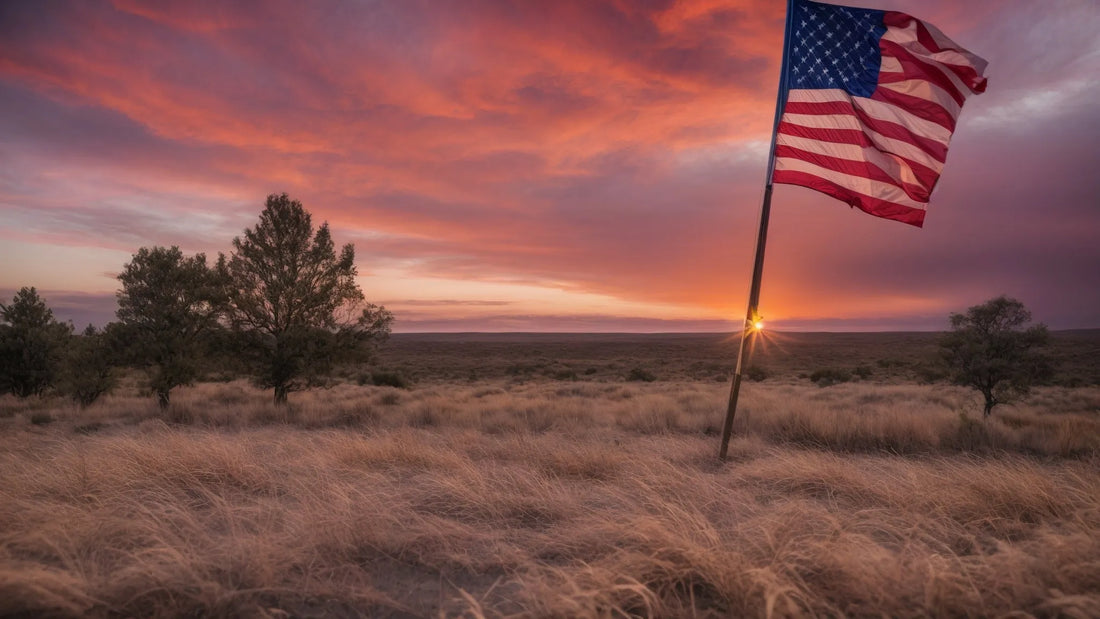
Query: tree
point(87, 370)
point(167, 305)
point(31, 343)
point(295, 302)
point(989, 349)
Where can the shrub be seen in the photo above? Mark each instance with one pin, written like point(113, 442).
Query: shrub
point(639, 374)
point(863, 372)
point(826, 377)
point(87, 371)
point(928, 374)
point(384, 378)
point(756, 373)
point(41, 418)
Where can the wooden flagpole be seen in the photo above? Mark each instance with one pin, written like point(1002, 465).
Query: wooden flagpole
point(748, 328)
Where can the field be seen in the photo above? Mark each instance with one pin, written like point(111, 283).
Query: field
point(562, 476)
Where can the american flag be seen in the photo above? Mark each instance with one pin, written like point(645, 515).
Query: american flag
point(871, 100)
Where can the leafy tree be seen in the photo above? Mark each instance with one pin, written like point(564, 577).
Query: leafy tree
point(990, 349)
point(87, 370)
point(167, 306)
point(31, 343)
point(295, 302)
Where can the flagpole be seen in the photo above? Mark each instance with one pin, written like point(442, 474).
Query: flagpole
point(752, 315)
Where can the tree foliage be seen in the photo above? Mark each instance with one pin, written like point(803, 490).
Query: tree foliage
point(31, 343)
point(294, 301)
point(87, 368)
point(990, 349)
point(168, 304)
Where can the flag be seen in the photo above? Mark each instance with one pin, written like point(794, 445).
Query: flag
point(869, 102)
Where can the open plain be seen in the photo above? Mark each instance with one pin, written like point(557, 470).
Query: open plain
point(561, 476)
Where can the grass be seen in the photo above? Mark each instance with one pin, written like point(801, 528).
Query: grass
point(526, 495)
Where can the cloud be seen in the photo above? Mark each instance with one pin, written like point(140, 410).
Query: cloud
point(600, 148)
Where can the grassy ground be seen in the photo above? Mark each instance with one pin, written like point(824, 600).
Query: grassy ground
point(890, 357)
point(520, 494)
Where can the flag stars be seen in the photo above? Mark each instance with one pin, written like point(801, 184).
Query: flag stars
point(835, 47)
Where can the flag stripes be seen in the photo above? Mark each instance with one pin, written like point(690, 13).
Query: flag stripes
point(881, 153)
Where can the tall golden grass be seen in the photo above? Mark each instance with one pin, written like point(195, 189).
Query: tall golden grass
point(552, 499)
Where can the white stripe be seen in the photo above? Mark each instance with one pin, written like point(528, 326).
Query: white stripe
point(824, 121)
point(890, 65)
point(905, 150)
point(874, 109)
point(883, 143)
point(928, 91)
point(897, 168)
point(898, 115)
point(970, 59)
point(865, 186)
point(907, 38)
point(817, 95)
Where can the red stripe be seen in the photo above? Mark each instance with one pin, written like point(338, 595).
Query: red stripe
point(839, 136)
point(862, 169)
point(921, 108)
point(874, 206)
point(968, 74)
point(814, 108)
point(884, 127)
point(927, 176)
point(915, 68)
point(896, 19)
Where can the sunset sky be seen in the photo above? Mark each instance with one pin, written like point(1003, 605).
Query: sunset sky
point(534, 166)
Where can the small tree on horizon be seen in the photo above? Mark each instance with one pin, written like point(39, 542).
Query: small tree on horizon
point(990, 350)
point(294, 302)
point(31, 344)
point(167, 305)
point(88, 367)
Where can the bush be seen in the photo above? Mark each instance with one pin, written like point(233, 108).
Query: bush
point(826, 377)
point(863, 372)
point(928, 374)
point(384, 378)
point(638, 374)
point(87, 371)
point(756, 373)
point(41, 418)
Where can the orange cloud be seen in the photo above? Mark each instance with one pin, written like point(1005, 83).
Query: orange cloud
point(606, 148)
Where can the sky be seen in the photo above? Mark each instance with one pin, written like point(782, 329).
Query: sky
point(514, 165)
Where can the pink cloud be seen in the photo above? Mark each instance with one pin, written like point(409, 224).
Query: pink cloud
point(604, 147)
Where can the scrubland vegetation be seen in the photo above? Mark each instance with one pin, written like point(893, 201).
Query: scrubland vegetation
point(518, 483)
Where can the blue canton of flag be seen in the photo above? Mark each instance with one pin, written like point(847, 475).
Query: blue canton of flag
point(836, 47)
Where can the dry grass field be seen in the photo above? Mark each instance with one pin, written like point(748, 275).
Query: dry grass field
point(509, 481)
